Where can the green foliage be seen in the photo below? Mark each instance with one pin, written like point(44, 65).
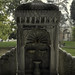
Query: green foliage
point(73, 10)
point(73, 33)
point(5, 31)
point(5, 23)
point(5, 26)
point(10, 5)
point(7, 8)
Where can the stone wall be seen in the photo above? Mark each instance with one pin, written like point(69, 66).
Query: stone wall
point(66, 63)
point(8, 63)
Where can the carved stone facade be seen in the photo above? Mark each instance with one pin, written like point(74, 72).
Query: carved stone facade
point(37, 38)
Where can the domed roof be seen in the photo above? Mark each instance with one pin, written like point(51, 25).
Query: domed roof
point(37, 5)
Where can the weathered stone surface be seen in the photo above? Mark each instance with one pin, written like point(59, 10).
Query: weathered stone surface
point(73, 66)
point(66, 63)
point(8, 63)
point(37, 38)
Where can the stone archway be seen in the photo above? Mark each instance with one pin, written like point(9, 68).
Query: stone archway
point(66, 35)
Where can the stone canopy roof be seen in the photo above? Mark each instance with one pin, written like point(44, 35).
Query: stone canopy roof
point(37, 5)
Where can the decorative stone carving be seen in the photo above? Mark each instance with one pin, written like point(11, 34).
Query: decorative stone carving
point(37, 41)
point(36, 50)
point(38, 36)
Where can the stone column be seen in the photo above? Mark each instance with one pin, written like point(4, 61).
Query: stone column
point(37, 69)
point(56, 47)
point(52, 57)
point(20, 54)
point(30, 19)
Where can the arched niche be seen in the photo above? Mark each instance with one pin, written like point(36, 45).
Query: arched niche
point(37, 52)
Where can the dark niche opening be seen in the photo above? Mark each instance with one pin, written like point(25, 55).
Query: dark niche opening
point(47, 20)
point(28, 20)
point(18, 19)
point(42, 19)
point(22, 20)
point(33, 20)
point(37, 20)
